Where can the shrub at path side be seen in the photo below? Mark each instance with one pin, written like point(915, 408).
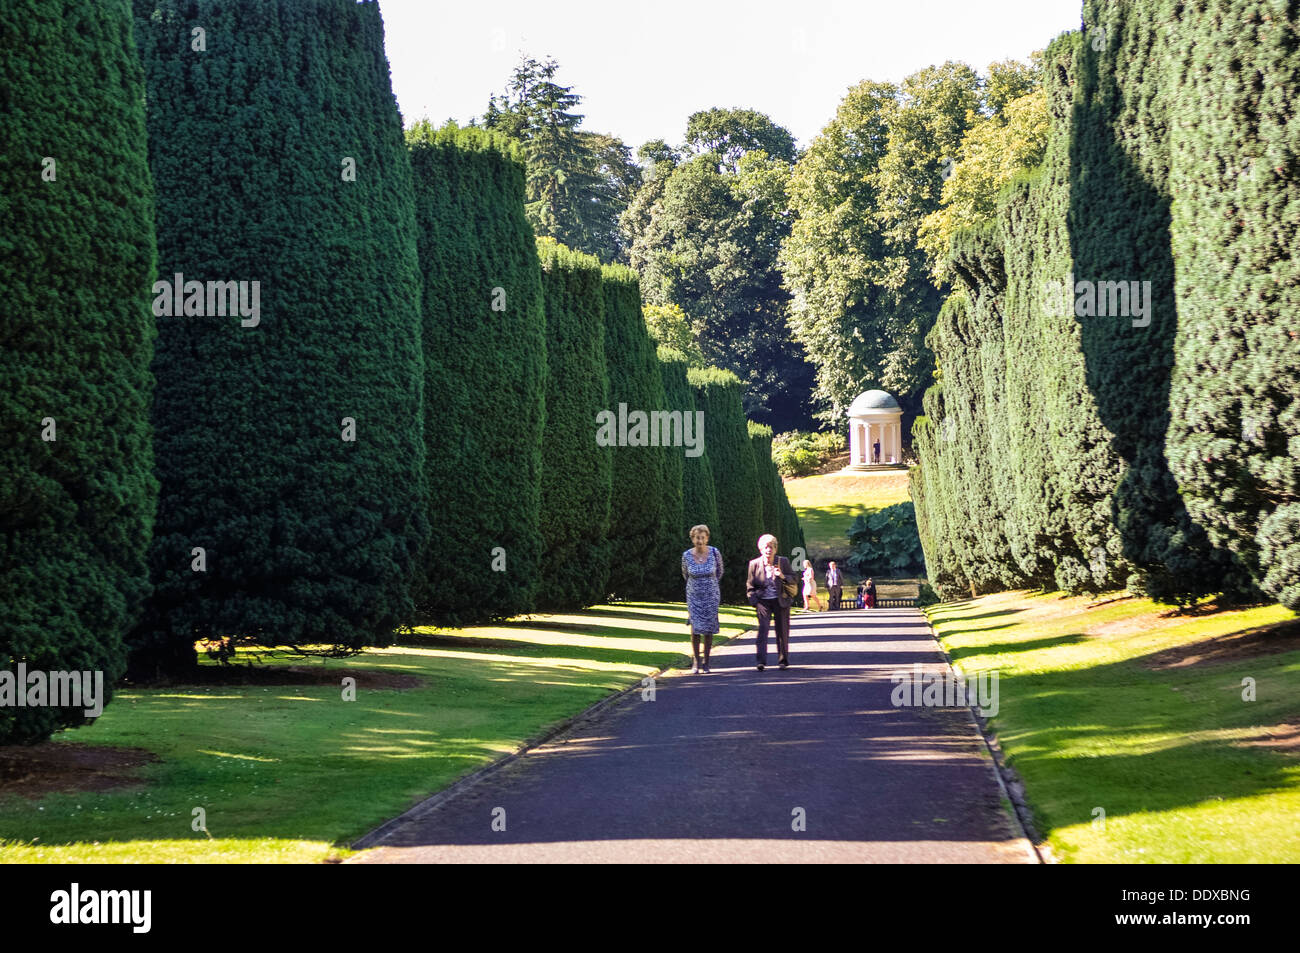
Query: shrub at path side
point(485, 367)
point(640, 482)
point(290, 450)
point(575, 471)
point(77, 491)
point(735, 477)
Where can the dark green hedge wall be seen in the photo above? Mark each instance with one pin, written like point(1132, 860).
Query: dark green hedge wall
point(1119, 230)
point(76, 267)
point(760, 440)
point(485, 367)
point(1234, 398)
point(699, 497)
point(719, 394)
point(309, 538)
point(639, 475)
point(1075, 436)
point(575, 471)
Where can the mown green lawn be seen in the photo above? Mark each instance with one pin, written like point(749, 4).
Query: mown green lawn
point(1129, 727)
point(295, 773)
point(827, 505)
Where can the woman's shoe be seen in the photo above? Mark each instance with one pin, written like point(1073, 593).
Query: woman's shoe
point(705, 669)
point(695, 669)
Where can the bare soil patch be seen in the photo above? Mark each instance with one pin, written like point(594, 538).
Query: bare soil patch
point(1250, 643)
point(33, 771)
point(1284, 737)
point(1147, 622)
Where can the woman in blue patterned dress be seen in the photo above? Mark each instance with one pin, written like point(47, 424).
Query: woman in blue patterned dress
point(702, 568)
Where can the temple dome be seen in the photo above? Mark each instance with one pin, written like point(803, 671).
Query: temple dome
point(872, 400)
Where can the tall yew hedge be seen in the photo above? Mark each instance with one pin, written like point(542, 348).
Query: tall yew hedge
point(1233, 442)
point(718, 393)
point(639, 474)
point(289, 451)
point(77, 491)
point(699, 499)
point(485, 371)
point(575, 469)
point(1153, 448)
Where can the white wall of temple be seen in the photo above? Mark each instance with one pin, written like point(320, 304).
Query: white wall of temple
point(865, 433)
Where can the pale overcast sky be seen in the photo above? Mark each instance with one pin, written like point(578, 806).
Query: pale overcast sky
point(642, 69)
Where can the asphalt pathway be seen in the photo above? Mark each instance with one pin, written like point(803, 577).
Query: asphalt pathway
point(727, 767)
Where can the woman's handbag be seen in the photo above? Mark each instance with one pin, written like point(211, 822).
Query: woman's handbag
point(790, 587)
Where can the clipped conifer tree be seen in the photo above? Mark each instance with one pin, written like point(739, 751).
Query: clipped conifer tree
point(788, 519)
point(575, 467)
point(1229, 79)
point(777, 511)
point(290, 378)
point(719, 393)
point(699, 502)
point(760, 438)
point(931, 493)
point(1120, 240)
point(638, 470)
point(77, 491)
point(485, 367)
point(922, 432)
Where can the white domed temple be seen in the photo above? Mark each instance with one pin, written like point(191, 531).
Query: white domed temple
point(875, 432)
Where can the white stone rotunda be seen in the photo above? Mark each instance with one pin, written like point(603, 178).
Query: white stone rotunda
point(875, 417)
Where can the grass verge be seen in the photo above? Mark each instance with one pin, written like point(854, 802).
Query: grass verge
point(1132, 726)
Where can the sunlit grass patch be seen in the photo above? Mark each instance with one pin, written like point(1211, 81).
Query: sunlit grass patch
point(1118, 710)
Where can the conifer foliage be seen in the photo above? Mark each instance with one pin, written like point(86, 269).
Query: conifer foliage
point(641, 483)
point(1234, 422)
point(77, 492)
point(699, 501)
point(288, 434)
point(779, 517)
point(575, 470)
point(720, 394)
point(1119, 366)
point(485, 367)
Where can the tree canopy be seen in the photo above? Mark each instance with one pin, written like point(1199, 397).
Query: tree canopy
point(579, 182)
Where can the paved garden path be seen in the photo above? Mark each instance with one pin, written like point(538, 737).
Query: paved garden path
point(721, 767)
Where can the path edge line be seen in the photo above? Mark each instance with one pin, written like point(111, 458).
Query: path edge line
point(1011, 785)
point(462, 784)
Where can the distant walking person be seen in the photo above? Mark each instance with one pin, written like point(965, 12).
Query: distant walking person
point(876, 448)
point(765, 590)
point(702, 568)
point(871, 594)
point(810, 587)
point(833, 583)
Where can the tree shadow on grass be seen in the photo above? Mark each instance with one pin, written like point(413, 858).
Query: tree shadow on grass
point(1010, 648)
point(988, 615)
